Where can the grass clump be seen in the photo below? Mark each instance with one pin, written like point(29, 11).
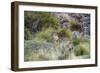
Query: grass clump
point(45, 35)
point(82, 49)
point(65, 33)
point(76, 41)
point(28, 35)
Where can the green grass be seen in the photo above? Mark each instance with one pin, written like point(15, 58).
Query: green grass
point(82, 49)
point(45, 35)
point(40, 50)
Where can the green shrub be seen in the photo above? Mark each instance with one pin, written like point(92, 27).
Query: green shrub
point(85, 48)
point(45, 35)
point(65, 33)
point(76, 41)
point(82, 49)
point(73, 22)
point(75, 26)
point(27, 34)
point(68, 34)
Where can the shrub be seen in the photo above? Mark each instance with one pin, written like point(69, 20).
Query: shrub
point(65, 33)
point(75, 26)
point(76, 41)
point(74, 22)
point(45, 35)
point(27, 34)
point(82, 49)
point(68, 34)
point(85, 48)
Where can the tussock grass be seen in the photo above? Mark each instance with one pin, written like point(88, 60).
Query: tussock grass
point(43, 50)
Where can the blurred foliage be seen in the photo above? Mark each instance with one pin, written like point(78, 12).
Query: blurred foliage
point(28, 35)
point(49, 52)
point(74, 22)
point(82, 49)
point(39, 44)
point(65, 33)
point(44, 20)
point(45, 35)
point(76, 41)
point(85, 48)
point(75, 26)
point(39, 21)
